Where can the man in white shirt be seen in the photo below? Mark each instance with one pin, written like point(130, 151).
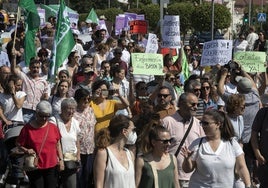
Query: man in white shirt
point(4, 60)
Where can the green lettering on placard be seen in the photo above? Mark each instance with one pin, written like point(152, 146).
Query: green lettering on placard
point(251, 61)
point(147, 64)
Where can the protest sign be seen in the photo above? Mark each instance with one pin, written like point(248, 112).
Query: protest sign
point(42, 15)
point(171, 32)
point(119, 24)
point(140, 17)
point(216, 52)
point(147, 64)
point(152, 44)
point(129, 17)
point(251, 61)
point(138, 27)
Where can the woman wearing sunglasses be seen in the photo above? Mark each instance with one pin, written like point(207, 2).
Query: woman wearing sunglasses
point(157, 168)
point(209, 96)
point(214, 157)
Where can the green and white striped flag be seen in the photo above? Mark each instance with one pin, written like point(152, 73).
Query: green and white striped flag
point(32, 25)
point(63, 41)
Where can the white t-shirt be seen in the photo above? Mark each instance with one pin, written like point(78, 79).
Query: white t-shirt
point(214, 169)
point(11, 112)
point(4, 60)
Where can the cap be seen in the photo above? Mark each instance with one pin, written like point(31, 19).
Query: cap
point(11, 16)
point(102, 17)
point(244, 85)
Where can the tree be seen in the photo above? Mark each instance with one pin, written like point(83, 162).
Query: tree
point(184, 10)
point(152, 14)
point(201, 17)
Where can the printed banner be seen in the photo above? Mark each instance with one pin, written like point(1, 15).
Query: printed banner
point(119, 24)
point(171, 32)
point(251, 61)
point(138, 27)
point(147, 64)
point(216, 52)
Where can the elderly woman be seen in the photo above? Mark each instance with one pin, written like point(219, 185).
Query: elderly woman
point(87, 120)
point(69, 130)
point(41, 137)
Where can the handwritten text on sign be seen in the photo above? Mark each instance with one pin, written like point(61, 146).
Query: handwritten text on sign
point(216, 52)
point(171, 32)
point(148, 64)
point(251, 61)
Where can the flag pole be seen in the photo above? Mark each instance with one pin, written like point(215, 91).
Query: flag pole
point(16, 27)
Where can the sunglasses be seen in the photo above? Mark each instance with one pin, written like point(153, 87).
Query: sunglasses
point(195, 90)
point(89, 65)
point(166, 141)
point(43, 115)
point(193, 104)
point(143, 88)
point(206, 88)
point(162, 95)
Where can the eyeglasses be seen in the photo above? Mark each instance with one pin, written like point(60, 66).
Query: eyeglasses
point(206, 88)
point(172, 78)
point(162, 95)
point(188, 49)
point(166, 141)
point(205, 123)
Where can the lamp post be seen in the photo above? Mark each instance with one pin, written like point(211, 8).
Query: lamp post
point(212, 19)
point(109, 3)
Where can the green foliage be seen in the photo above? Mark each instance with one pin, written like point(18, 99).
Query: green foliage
point(184, 10)
point(201, 17)
point(152, 14)
point(110, 14)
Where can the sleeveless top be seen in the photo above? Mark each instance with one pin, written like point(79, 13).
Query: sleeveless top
point(165, 176)
point(99, 60)
point(116, 175)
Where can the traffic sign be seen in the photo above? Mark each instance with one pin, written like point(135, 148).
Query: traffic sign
point(261, 17)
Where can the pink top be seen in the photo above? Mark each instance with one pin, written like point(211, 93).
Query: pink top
point(177, 128)
point(32, 138)
point(34, 88)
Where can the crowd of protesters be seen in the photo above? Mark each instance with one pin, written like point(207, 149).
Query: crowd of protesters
point(131, 130)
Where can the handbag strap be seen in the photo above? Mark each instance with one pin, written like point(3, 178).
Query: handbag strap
point(43, 143)
point(184, 137)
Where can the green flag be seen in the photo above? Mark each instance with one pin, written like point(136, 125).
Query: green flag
point(32, 24)
point(185, 66)
point(92, 17)
point(64, 41)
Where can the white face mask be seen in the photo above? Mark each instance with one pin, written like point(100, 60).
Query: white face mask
point(132, 137)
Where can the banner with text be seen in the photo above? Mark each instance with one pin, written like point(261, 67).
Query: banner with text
point(152, 44)
point(171, 32)
point(147, 64)
point(138, 27)
point(251, 61)
point(216, 52)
